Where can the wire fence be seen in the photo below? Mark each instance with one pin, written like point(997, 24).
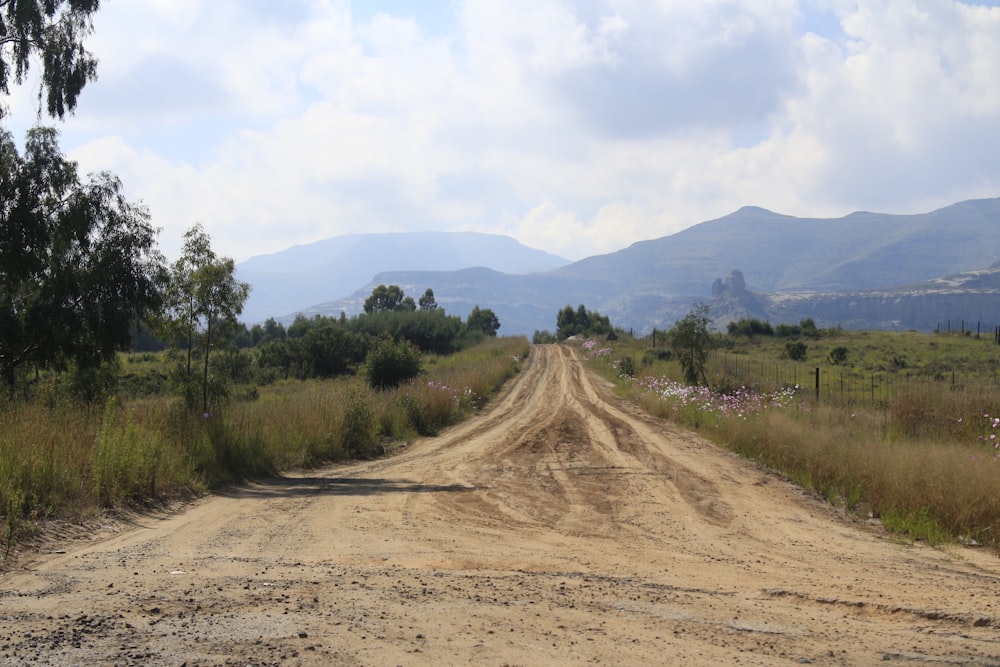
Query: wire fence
point(832, 383)
point(965, 327)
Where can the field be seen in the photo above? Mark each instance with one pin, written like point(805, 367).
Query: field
point(903, 427)
point(68, 460)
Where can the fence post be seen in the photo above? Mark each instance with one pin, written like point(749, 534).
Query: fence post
point(817, 384)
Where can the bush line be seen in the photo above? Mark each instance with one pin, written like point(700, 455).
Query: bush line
point(70, 460)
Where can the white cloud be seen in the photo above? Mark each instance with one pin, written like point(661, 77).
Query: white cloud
point(579, 127)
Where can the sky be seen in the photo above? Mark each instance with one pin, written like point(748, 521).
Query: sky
point(575, 127)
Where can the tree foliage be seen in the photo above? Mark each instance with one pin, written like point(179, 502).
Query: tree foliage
point(838, 355)
point(581, 321)
point(750, 327)
point(430, 330)
point(690, 342)
point(385, 299)
point(796, 350)
point(78, 262)
point(483, 320)
point(427, 301)
point(805, 328)
point(202, 294)
point(53, 32)
point(390, 363)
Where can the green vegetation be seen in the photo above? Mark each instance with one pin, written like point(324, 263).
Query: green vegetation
point(78, 263)
point(919, 452)
point(483, 321)
point(579, 322)
point(201, 291)
point(51, 34)
point(64, 458)
point(690, 342)
point(390, 363)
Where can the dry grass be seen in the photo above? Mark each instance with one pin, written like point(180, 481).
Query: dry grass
point(916, 459)
point(70, 459)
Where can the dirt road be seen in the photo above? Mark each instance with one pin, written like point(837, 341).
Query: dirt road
point(561, 526)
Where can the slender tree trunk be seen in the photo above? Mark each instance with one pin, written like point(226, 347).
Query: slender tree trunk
point(10, 378)
point(208, 347)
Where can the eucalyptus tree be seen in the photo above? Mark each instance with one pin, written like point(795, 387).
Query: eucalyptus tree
point(386, 299)
point(691, 342)
point(484, 320)
point(427, 301)
point(78, 262)
point(202, 293)
point(51, 33)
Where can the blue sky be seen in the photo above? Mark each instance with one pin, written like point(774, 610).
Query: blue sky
point(575, 127)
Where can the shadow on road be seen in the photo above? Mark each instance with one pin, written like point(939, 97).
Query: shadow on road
point(285, 487)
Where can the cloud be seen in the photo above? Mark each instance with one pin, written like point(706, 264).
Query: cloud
point(905, 107)
point(579, 127)
point(676, 67)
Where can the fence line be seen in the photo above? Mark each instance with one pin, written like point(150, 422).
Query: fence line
point(872, 388)
point(964, 327)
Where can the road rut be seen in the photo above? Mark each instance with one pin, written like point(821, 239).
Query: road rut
point(559, 526)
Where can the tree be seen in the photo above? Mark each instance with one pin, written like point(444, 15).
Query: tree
point(430, 330)
point(385, 298)
point(690, 342)
point(427, 301)
point(327, 351)
point(53, 31)
point(566, 323)
point(484, 320)
point(582, 319)
point(808, 327)
point(202, 292)
point(78, 262)
point(750, 327)
point(571, 322)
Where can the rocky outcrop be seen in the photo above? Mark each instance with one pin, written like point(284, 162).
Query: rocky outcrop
point(972, 298)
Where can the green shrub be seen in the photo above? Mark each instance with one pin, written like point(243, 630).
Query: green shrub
point(358, 427)
point(626, 366)
point(124, 460)
point(796, 350)
point(389, 363)
point(838, 355)
point(543, 337)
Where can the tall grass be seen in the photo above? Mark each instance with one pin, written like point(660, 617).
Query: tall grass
point(60, 460)
point(924, 462)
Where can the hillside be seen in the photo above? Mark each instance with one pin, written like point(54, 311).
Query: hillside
point(302, 276)
point(779, 253)
point(973, 297)
point(788, 260)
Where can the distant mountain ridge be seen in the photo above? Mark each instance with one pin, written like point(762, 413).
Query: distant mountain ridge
point(778, 252)
point(653, 283)
point(304, 275)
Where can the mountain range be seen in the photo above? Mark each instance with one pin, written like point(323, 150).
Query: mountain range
point(302, 276)
point(863, 270)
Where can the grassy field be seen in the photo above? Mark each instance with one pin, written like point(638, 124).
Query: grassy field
point(919, 452)
point(67, 459)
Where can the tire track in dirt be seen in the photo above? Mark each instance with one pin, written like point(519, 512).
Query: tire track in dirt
point(560, 526)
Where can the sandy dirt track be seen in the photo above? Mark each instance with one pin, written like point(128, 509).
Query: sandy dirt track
point(560, 526)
